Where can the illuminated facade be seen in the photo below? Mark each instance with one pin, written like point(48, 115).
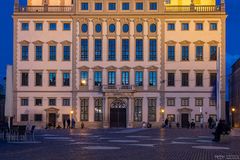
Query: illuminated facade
point(117, 63)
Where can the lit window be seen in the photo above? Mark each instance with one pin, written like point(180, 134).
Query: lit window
point(171, 117)
point(84, 109)
point(98, 108)
point(52, 53)
point(84, 78)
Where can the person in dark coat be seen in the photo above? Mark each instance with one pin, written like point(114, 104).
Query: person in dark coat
point(166, 122)
point(73, 123)
point(210, 121)
point(64, 123)
point(68, 123)
point(219, 130)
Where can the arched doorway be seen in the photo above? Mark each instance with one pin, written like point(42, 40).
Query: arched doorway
point(118, 114)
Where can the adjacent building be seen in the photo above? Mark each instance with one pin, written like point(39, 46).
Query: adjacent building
point(235, 94)
point(117, 63)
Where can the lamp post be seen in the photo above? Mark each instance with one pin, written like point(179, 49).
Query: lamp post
point(233, 111)
point(162, 111)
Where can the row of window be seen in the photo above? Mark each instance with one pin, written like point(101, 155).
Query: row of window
point(98, 6)
point(51, 101)
point(39, 26)
point(199, 50)
point(125, 27)
point(185, 79)
point(199, 26)
point(199, 101)
point(125, 78)
point(52, 53)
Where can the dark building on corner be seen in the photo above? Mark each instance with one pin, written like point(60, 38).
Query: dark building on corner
point(235, 93)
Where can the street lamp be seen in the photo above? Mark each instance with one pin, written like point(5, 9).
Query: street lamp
point(233, 110)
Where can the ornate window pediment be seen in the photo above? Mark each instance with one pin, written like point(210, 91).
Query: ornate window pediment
point(38, 42)
point(24, 42)
point(66, 42)
point(199, 42)
point(52, 42)
point(171, 42)
point(97, 68)
point(84, 68)
point(111, 68)
point(213, 42)
point(185, 42)
point(138, 68)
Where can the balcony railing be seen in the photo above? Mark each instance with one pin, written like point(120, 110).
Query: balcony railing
point(192, 8)
point(118, 88)
point(42, 9)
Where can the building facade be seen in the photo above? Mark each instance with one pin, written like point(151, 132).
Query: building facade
point(235, 94)
point(117, 63)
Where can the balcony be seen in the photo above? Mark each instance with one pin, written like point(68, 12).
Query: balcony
point(116, 88)
point(193, 8)
point(43, 9)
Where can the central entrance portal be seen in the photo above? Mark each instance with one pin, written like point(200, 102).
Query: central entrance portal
point(118, 113)
point(185, 122)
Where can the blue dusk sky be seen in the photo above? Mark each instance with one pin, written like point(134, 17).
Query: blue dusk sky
point(6, 34)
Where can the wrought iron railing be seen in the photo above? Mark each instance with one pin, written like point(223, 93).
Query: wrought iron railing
point(193, 8)
point(116, 88)
point(41, 9)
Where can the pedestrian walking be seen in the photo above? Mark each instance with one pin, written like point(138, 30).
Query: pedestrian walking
point(219, 130)
point(166, 122)
point(68, 123)
point(73, 123)
point(210, 121)
point(64, 123)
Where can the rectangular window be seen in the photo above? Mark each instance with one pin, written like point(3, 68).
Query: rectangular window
point(198, 101)
point(84, 6)
point(66, 79)
point(98, 6)
point(84, 78)
point(38, 50)
point(171, 79)
point(52, 102)
point(52, 26)
point(97, 78)
point(185, 53)
point(171, 53)
point(66, 101)
point(38, 102)
point(125, 78)
point(199, 53)
point(25, 26)
point(153, 50)
point(84, 50)
point(66, 26)
point(212, 101)
point(185, 79)
point(24, 117)
point(171, 26)
point(125, 6)
point(213, 26)
point(170, 101)
point(111, 6)
point(152, 78)
point(213, 79)
point(38, 26)
point(152, 103)
point(199, 79)
point(138, 109)
point(24, 53)
point(24, 101)
point(111, 49)
point(197, 117)
point(52, 53)
point(153, 6)
point(171, 117)
point(38, 79)
point(84, 110)
point(52, 79)
point(184, 101)
point(185, 26)
point(24, 79)
point(37, 117)
point(199, 26)
point(98, 114)
point(213, 53)
point(125, 49)
point(66, 53)
point(98, 49)
point(139, 6)
point(139, 78)
point(111, 78)
point(139, 49)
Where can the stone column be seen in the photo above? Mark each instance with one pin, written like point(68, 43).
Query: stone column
point(118, 77)
point(104, 40)
point(130, 112)
point(104, 77)
point(105, 113)
point(90, 79)
point(132, 41)
point(145, 109)
point(118, 40)
point(90, 41)
point(91, 109)
point(145, 79)
point(145, 41)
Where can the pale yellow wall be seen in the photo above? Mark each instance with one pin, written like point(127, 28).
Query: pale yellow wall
point(188, 2)
point(50, 2)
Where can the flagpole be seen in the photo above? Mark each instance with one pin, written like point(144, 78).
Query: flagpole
point(219, 112)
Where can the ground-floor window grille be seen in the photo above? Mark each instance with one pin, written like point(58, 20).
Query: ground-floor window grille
point(152, 102)
point(84, 109)
point(98, 115)
point(138, 109)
